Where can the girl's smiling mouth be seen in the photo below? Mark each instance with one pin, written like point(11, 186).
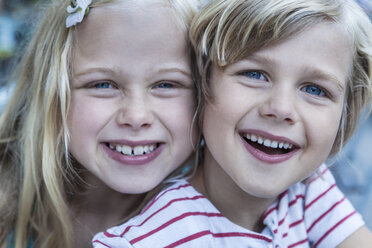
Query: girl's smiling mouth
point(135, 153)
point(135, 150)
point(268, 148)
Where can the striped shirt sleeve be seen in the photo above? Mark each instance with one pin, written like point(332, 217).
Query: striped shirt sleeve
point(329, 216)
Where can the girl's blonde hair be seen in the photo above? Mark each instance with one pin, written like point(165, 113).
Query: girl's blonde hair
point(227, 31)
point(36, 174)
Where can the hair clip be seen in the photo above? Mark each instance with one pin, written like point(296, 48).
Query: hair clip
point(77, 10)
point(73, 3)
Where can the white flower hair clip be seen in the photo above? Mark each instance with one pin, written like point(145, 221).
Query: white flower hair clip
point(77, 10)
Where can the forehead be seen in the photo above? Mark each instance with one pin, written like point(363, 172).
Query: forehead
point(322, 49)
point(130, 18)
point(126, 34)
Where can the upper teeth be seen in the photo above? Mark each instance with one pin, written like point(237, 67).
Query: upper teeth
point(133, 151)
point(268, 143)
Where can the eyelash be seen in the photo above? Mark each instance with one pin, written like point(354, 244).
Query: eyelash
point(313, 90)
point(101, 83)
point(165, 85)
point(256, 75)
point(108, 85)
point(322, 92)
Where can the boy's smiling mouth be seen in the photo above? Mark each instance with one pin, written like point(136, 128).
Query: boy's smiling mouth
point(267, 145)
point(268, 148)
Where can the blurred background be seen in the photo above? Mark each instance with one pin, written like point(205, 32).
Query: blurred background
point(353, 168)
point(16, 21)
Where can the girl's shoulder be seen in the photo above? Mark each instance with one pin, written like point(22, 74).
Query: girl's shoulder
point(169, 216)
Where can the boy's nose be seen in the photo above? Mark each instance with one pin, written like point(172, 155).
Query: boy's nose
point(280, 107)
point(135, 113)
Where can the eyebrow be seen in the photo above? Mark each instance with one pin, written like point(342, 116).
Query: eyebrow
point(261, 59)
point(92, 70)
point(175, 69)
point(315, 72)
point(108, 70)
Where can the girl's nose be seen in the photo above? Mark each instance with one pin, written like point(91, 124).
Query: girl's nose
point(135, 113)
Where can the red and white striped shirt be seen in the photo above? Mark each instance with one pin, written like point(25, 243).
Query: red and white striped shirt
point(315, 214)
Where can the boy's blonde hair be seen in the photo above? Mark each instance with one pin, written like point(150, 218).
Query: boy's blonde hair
point(227, 31)
point(36, 174)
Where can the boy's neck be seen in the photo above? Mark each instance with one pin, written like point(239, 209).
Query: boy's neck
point(239, 207)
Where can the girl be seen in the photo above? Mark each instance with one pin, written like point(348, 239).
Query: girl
point(284, 83)
point(102, 109)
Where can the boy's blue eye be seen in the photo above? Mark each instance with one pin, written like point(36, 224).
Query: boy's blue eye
point(255, 75)
point(103, 85)
point(313, 90)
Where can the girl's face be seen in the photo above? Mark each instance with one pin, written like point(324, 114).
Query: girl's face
point(275, 114)
point(132, 96)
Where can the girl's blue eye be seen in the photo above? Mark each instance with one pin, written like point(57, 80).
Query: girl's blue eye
point(103, 85)
point(313, 90)
point(255, 75)
point(165, 85)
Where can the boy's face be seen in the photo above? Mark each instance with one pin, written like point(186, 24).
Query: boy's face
point(275, 115)
point(132, 96)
